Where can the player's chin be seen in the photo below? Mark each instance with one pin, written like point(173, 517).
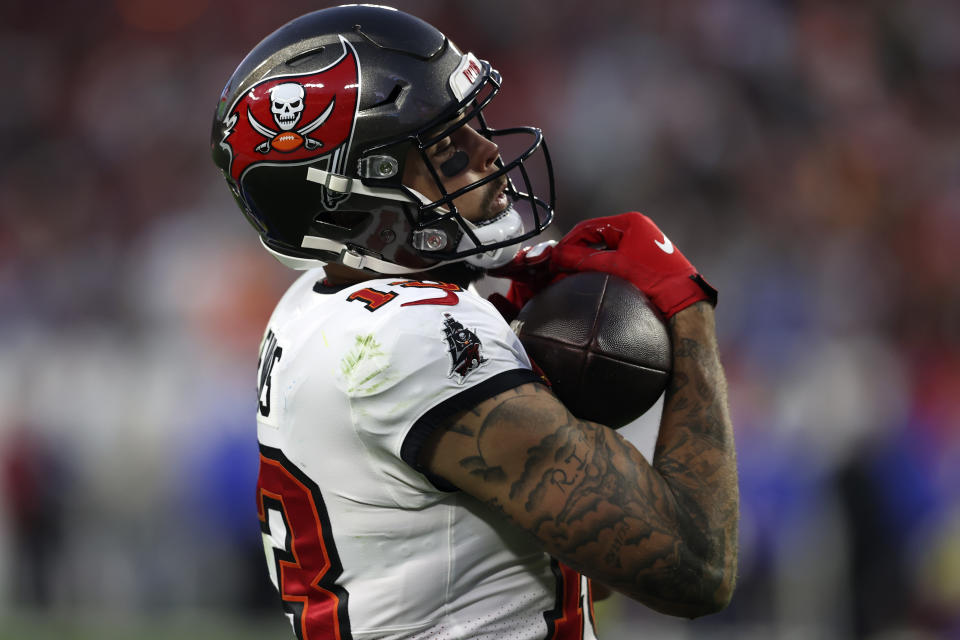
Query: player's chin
point(500, 203)
point(497, 203)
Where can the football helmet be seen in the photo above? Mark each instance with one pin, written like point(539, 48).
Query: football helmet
point(313, 130)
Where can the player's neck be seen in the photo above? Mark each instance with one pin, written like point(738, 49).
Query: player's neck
point(338, 275)
point(458, 273)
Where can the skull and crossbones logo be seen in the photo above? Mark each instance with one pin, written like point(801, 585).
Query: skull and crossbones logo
point(287, 102)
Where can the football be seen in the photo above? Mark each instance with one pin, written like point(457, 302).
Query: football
point(604, 348)
point(287, 141)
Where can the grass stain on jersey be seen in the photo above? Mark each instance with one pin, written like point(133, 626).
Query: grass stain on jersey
point(363, 366)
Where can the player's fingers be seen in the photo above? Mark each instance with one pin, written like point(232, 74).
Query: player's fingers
point(583, 233)
point(579, 258)
point(593, 235)
point(612, 235)
point(567, 257)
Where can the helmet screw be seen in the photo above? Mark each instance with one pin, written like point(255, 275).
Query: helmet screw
point(386, 168)
point(435, 241)
point(388, 236)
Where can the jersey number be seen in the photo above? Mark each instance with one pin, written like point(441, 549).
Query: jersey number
point(449, 299)
point(374, 299)
point(572, 619)
point(301, 557)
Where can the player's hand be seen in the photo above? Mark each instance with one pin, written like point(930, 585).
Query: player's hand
point(529, 272)
point(632, 247)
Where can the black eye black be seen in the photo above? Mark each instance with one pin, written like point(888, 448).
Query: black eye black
point(456, 164)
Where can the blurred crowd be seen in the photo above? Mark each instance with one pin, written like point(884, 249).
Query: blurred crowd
point(805, 155)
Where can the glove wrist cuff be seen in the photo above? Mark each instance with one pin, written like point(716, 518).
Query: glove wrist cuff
point(708, 290)
point(681, 297)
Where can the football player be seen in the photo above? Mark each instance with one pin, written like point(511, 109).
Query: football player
point(417, 478)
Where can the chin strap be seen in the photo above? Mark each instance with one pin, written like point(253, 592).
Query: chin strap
point(344, 184)
point(507, 225)
point(348, 258)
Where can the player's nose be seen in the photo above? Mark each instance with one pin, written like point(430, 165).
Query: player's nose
point(485, 151)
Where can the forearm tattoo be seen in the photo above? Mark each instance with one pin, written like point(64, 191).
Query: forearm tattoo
point(653, 532)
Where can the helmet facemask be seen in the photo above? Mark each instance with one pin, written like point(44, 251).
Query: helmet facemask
point(441, 231)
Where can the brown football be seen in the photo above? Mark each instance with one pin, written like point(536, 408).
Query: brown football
point(604, 348)
point(287, 141)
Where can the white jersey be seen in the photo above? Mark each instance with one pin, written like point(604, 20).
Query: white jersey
point(359, 542)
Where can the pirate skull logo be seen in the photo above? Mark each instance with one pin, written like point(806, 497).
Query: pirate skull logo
point(286, 103)
point(296, 119)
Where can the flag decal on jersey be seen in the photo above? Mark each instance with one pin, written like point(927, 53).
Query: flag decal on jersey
point(466, 355)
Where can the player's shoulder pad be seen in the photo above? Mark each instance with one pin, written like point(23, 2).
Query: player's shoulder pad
point(435, 331)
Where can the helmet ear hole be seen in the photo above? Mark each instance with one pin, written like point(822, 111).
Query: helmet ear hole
point(391, 100)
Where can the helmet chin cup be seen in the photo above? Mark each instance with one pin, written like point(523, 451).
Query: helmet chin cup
point(495, 258)
point(504, 227)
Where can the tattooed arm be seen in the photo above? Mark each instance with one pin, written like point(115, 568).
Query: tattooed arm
point(664, 534)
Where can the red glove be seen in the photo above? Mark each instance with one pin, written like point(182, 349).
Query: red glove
point(632, 247)
point(529, 272)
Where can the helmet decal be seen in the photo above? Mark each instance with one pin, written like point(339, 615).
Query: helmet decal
point(466, 76)
point(296, 119)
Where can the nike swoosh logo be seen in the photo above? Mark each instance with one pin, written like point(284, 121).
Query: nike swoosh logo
point(666, 245)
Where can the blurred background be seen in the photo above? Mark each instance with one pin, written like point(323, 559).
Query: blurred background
point(805, 155)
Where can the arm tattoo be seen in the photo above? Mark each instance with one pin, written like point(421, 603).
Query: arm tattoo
point(664, 533)
point(581, 490)
point(695, 454)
